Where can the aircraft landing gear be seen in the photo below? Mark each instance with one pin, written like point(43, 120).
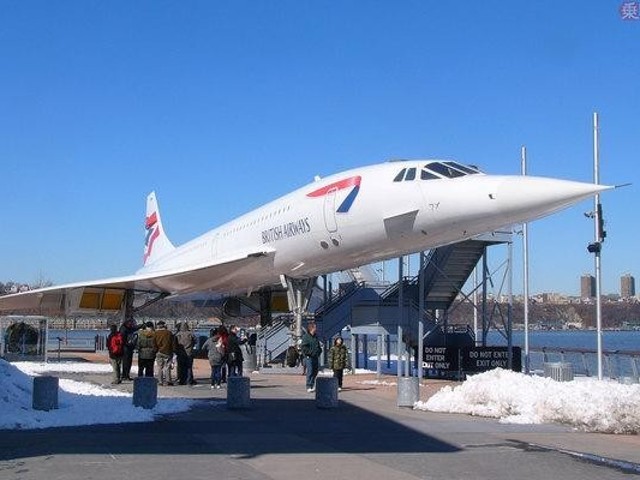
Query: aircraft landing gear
point(298, 294)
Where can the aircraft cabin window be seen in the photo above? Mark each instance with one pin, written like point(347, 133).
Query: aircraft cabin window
point(427, 175)
point(400, 176)
point(445, 170)
point(411, 174)
point(461, 167)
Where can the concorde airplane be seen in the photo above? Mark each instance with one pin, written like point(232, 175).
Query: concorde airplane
point(336, 223)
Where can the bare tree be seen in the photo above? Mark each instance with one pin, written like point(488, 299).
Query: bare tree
point(41, 282)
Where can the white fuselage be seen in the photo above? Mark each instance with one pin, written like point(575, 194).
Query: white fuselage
point(362, 215)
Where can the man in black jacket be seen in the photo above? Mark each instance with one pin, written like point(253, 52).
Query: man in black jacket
point(311, 350)
point(234, 353)
point(128, 330)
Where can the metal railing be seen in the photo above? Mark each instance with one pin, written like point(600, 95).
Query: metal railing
point(273, 341)
point(618, 364)
point(61, 344)
point(337, 300)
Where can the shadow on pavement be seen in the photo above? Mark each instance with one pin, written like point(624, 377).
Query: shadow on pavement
point(271, 426)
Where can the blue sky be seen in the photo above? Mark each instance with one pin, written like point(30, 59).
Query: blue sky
point(222, 106)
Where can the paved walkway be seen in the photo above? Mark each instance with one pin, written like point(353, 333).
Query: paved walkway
point(284, 436)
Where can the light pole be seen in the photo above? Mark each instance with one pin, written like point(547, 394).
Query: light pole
point(525, 273)
point(596, 246)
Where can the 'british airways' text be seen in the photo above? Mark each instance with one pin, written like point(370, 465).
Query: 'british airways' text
point(286, 230)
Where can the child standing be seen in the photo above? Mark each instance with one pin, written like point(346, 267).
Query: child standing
point(338, 359)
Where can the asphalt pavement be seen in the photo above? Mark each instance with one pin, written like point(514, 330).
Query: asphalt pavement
point(285, 436)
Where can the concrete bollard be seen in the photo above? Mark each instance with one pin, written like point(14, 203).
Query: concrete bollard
point(145, 392)
point(408, 391)
point(238, 392)
point(45, 393)
point(326, 392)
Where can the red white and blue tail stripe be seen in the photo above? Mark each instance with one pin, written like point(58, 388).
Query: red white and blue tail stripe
point(156, 242)
point(351, 182)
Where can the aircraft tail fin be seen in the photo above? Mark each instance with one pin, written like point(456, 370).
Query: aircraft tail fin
point(156, 243)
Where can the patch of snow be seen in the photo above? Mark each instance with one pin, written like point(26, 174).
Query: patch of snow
point(384, 383)
point(79, 403)
point(590, 405)
point(34, 368)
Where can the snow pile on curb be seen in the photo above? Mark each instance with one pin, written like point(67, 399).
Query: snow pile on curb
point(79, 403)
point(590, 405)
point(35, 368)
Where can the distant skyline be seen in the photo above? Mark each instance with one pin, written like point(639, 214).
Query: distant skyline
point(222, 106)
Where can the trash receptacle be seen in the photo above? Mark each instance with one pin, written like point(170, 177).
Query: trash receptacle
point(408, 391)
point(250, 362)
point(559, 371)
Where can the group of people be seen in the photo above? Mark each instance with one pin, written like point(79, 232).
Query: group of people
point(224, 354)
point(311, 348)
point(156, 345)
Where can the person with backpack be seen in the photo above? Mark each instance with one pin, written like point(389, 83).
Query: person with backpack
point(216, 354)
point(292, 356)
point(115, 345)
point(128, 331)
point(146, 347)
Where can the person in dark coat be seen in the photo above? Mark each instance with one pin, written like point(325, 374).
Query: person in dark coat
point(128, 330)
point(338, 359)
point(311, 350)
point(146, 350)
point(224, 335)
point(234, 353)
point(164, 341)
point(185, 340)
point(216, 355)
point(115, 345)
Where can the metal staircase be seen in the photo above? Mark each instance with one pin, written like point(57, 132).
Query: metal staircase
point(334, 315)
point(363, 274)
point(274, 340)
point(446, 270)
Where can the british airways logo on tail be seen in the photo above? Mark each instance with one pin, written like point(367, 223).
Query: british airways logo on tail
point(340, 185)
point(153, 232)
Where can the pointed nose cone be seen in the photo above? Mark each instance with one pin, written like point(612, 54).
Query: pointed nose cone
point(524, 198)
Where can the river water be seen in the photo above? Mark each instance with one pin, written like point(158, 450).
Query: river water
point(614, 365)
point(611, 340)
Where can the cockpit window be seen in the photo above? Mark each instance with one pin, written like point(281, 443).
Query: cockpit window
point(400, 176)
point(461, 167)
point(435, 171)
point(411, 174)
point(427, 175)
point(444, 170)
